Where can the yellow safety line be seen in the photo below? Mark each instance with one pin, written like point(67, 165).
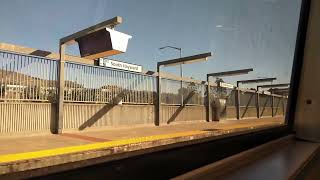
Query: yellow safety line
point(73, 149)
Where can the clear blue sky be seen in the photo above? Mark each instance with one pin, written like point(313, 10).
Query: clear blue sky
point(240, 33)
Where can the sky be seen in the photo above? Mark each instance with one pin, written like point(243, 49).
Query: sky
point(258, 34)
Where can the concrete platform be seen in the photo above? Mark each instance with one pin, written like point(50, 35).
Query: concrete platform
point(35, 155)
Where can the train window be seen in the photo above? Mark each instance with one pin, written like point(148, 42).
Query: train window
point(179, 68)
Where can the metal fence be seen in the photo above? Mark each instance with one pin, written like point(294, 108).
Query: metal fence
point(247, 99)
point(194, 93)
point(33, 78)
point(222, 93)
point(174, 92)
point(231, 99)
point(27, 78)
point(84, 83)
point(265, 100)
point(279, 104)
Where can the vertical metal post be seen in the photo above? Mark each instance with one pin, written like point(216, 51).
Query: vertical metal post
point(208, 116)
point(258, 104)
point(60, 86)
point(181, 85)
point(237, 100)
point(182, 103)
point(158, 102)
point(283, 106)
point(272, 110)
point(237, 96)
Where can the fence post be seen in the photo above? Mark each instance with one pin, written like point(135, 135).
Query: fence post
point(60, 86)
point(258, 104)
point(158, 102)
point(283, 106)
point(272, 106)
point(208, 116)
point(237, 96)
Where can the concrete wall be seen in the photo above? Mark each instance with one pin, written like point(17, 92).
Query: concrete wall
point(280, 111)
point(170, 114)
point(26, 117)
point(83, 116)
point(231, 112)
point(266, 112)
point(248, 112)
point(39, 117)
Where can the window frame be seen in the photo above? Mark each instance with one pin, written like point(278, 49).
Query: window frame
point(161, 162)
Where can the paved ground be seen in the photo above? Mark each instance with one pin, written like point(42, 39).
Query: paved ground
point(11, 145)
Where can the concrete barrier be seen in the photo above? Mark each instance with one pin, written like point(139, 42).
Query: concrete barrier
point(248, 112)
point(83, 116)
point(36, 117)
point(266, 112)
point(231, 112)
point(170, 114)
point(26, 117)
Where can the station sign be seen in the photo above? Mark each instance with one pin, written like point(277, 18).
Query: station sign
point(119, 65)
point(267, 92)
point(226, 85)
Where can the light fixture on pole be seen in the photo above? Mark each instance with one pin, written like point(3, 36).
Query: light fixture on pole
point(180, 52)
point(174, 62)
point(97, 41)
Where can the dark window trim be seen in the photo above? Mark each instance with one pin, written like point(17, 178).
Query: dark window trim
point(297, 63)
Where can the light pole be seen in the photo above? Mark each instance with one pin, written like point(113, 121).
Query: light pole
point(174, 62)
point(180, 51)
point(71, 39)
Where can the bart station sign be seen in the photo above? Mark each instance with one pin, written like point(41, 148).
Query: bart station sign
point(119, 65)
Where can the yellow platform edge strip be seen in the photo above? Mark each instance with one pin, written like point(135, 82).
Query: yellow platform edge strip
point(87, 147)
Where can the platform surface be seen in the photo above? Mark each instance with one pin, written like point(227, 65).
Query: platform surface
point(19, 153)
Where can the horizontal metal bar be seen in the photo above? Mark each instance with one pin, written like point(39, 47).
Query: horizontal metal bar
point(256, 80)
point(31, 52)
point(184, 60)
point(230, 73)
point(273, 85)
point(108, 23)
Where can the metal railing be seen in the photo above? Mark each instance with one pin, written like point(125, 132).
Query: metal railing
point(231, 101)
point(222, 93)
point(265, 100)
point(33, 78)
point(247, 99)
point(85, 83)
point(171, 92)
point(27, 78)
